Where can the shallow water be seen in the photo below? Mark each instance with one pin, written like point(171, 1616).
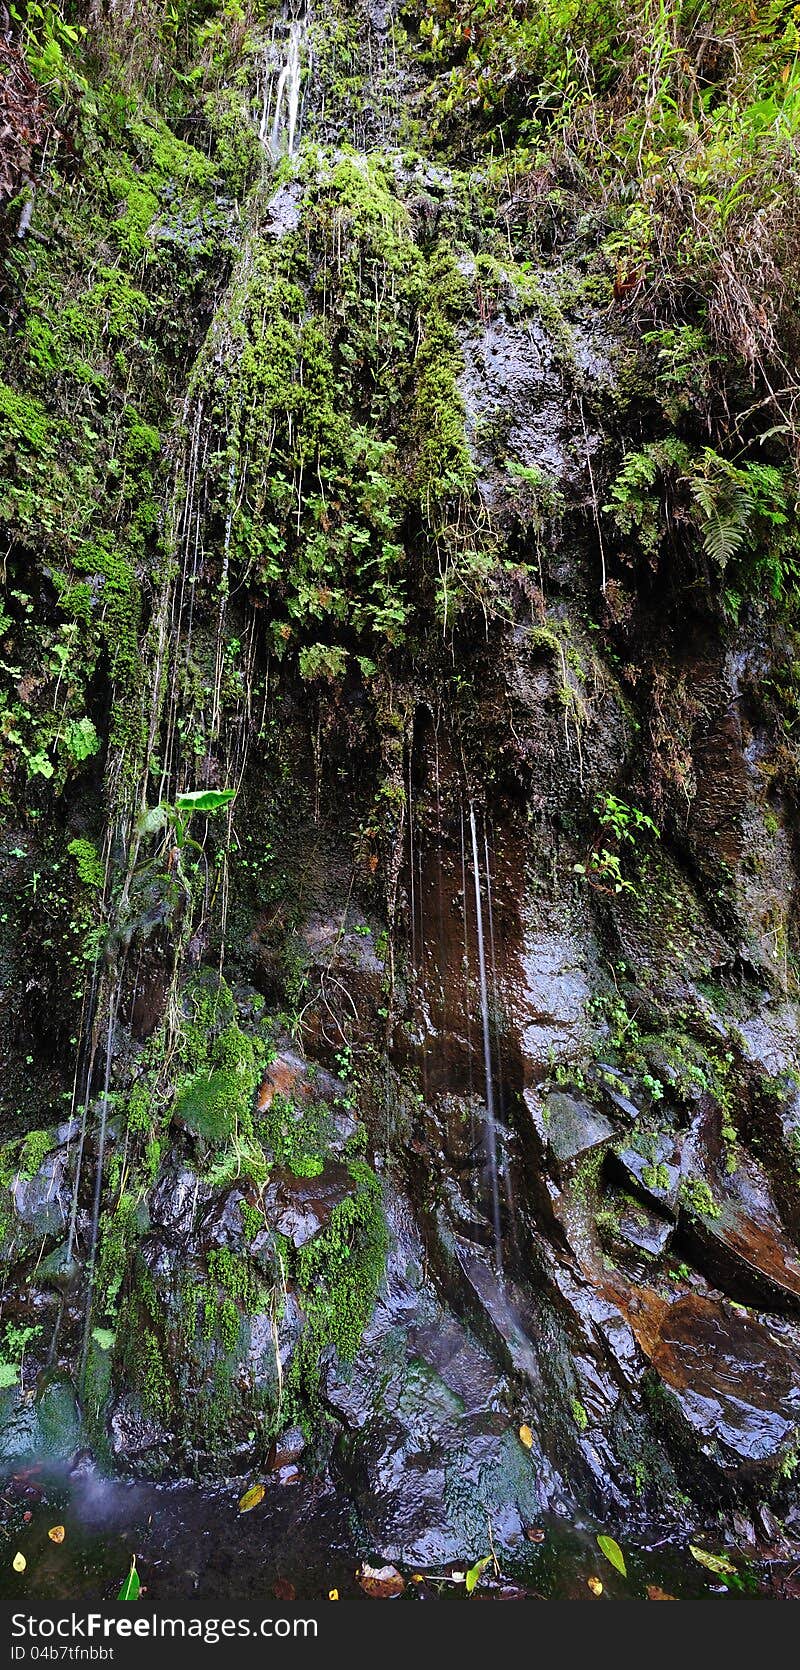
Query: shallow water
point(193, 1544)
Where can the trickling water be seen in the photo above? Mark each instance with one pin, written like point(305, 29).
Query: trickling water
point(281, 120)
point(467, 987)
point(491, 1122)
point(98, 1185)
point(498, 1036)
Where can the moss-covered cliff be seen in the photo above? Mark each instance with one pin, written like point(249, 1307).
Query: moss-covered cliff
point(398, 752)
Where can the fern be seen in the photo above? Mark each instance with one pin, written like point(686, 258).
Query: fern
point(726, 500)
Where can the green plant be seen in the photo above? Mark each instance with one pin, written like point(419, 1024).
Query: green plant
point(176, 815)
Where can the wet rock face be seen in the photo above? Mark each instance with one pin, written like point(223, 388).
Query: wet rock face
point(571, 1129)
point(741, 1242)
point(733, 1384)
point(554, 992)
point(428, 1444)
point(299, 1207)
point(512, 384)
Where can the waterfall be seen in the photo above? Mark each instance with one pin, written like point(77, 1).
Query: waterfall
point(279, 122)
point(491, 1122)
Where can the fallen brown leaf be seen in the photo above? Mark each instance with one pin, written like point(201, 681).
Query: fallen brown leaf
point(284, 1591)
point(380, 1582)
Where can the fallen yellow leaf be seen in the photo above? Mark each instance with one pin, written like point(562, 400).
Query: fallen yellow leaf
point(19, 1562)
point(333, 1594)
point(251, 1498)
point(56, 1533)
point(595, 1585)
point(526, 1437)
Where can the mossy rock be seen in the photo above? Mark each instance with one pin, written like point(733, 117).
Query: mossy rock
point(49, 1425)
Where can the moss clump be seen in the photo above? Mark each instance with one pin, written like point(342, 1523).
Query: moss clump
point(696, 1196)
point(297, 1140)
point(88, 864)
point(210, 1105)
point(141, 1347)
point(579, 1414)
point(240, 1297)
point(338, 1275)
point(656, 1177)
point(216, 1102)
point(24, 1159)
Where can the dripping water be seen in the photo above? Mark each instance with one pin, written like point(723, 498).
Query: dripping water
point(491, 1122)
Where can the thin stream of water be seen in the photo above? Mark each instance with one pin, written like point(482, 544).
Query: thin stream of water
point(491, 1121)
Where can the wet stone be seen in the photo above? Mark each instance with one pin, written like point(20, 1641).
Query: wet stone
point(652, 1169)
point(572, 1129)
point(734, 1386)
point(42, 1203)
point(639, 1228)
point(741, 1244)
point(299, 1207)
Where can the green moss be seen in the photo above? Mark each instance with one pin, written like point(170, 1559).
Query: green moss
point(338, 1275)
point(656, 1177)
point(211, 1105)
point(297, 1139)
point(696, 1196)
point(579, 1414)
point(89, 865)
point(24, 1158)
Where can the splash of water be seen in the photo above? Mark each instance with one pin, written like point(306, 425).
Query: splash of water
point(491, 1120)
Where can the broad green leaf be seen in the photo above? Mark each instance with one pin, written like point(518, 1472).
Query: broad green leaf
point(251, 1498)
point(204, 800)
point(476, 1572)
point(104, 1337)
point(131, 1588)
point(613, 1554)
